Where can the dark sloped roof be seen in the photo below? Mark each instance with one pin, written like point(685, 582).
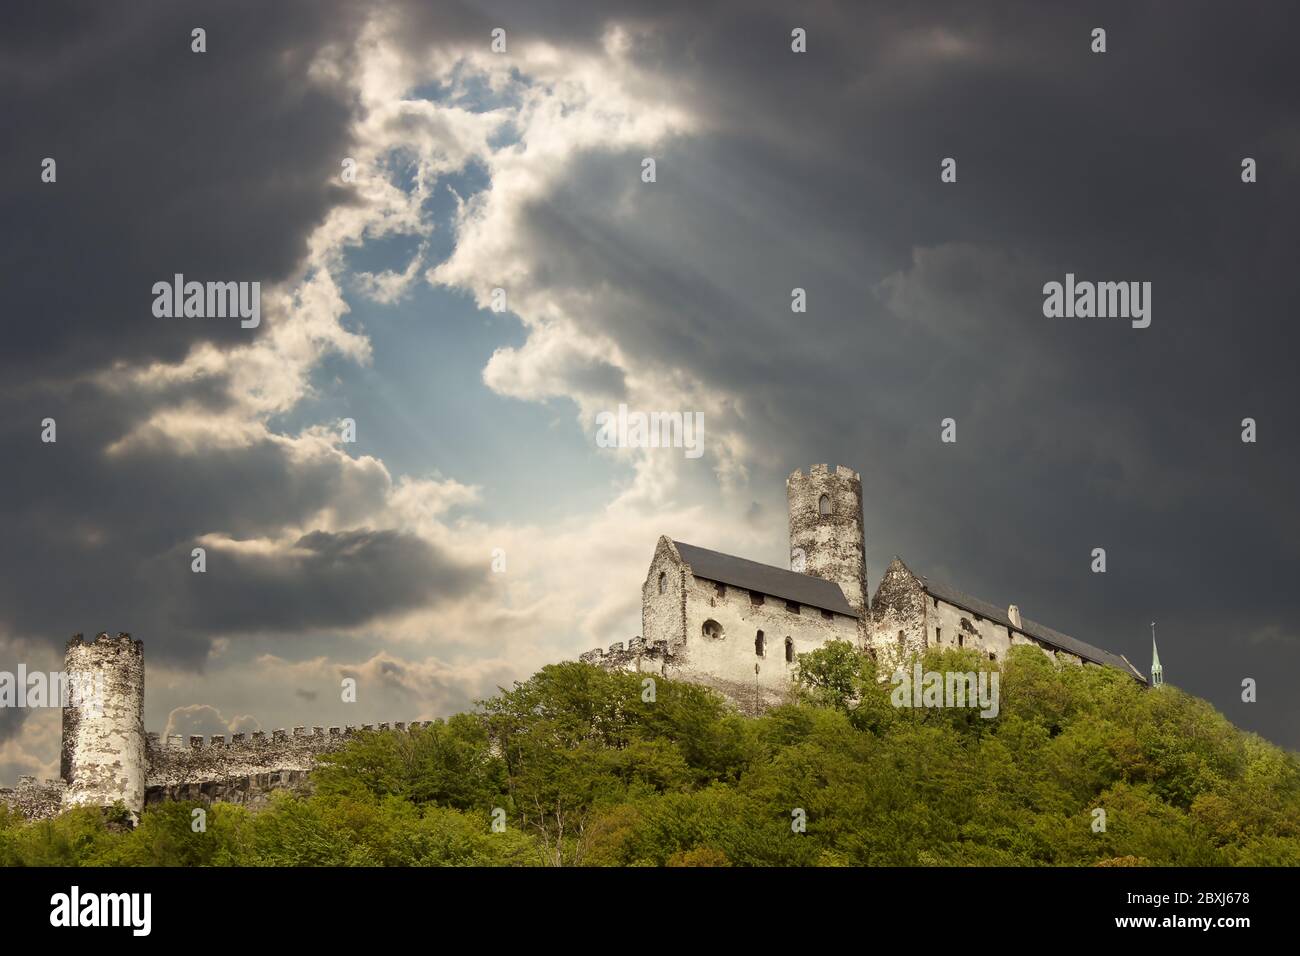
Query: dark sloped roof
point(1033, 629)
point(764, 578)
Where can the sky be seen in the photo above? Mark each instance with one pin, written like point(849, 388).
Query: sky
point(475, 427)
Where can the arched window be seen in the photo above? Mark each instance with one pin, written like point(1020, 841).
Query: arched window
point(758, 644)
point(663, 581)
point(789, 651)
point(712, 630)
point(824, 505)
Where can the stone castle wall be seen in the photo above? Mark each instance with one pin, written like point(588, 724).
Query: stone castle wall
point(746, 645)
point(107, 757)
point(245, 768)
point(727, 657)
point(898, 628)
point(35, 801)
point(663, 615)
point(906, 621)
point(637, 656)
point(730, 662)
point(950, 626)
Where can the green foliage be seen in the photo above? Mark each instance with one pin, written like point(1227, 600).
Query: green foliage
point(578, 767)
point(447, 763)
point(77, 837)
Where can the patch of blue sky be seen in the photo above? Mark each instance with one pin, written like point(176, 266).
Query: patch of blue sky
point(471, 91)
point(401, 169)
point(422, 408)
point(394, 252)
point(507, 134)
point(375, 255)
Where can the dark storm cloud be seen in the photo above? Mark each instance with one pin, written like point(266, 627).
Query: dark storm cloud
point(105, 543)
point(11, 722)
point(215, 165)
point(323, 581)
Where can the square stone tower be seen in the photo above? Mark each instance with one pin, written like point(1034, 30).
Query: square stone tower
point(826, 535)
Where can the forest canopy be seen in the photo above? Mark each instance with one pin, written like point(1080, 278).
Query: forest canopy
point(577, 766)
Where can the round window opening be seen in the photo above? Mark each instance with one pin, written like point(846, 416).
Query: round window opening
point(712, 630)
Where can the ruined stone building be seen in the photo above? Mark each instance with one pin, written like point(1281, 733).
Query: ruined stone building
point(108, 757)
point(738, 626)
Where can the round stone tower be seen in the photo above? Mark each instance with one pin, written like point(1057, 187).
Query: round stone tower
point(826, 538)
point(103, 722)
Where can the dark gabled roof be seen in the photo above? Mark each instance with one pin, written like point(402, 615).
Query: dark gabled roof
point(765, 579)
point(1040, 632)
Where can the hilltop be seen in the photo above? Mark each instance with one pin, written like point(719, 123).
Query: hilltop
point(579, 766)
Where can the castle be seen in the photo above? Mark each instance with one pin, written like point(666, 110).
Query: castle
point(738, 626)
point(108, 757)
point(710, 618)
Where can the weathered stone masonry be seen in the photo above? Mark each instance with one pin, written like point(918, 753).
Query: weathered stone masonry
point(103, 757)
point(108, 757)
point(827, 535)
point(738, 626)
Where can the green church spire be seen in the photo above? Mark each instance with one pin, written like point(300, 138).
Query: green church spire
point(1157, 672)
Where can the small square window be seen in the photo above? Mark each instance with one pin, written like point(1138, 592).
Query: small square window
point(755, 598)
point(792, 606)
point(722, 590)
point(828, 615)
